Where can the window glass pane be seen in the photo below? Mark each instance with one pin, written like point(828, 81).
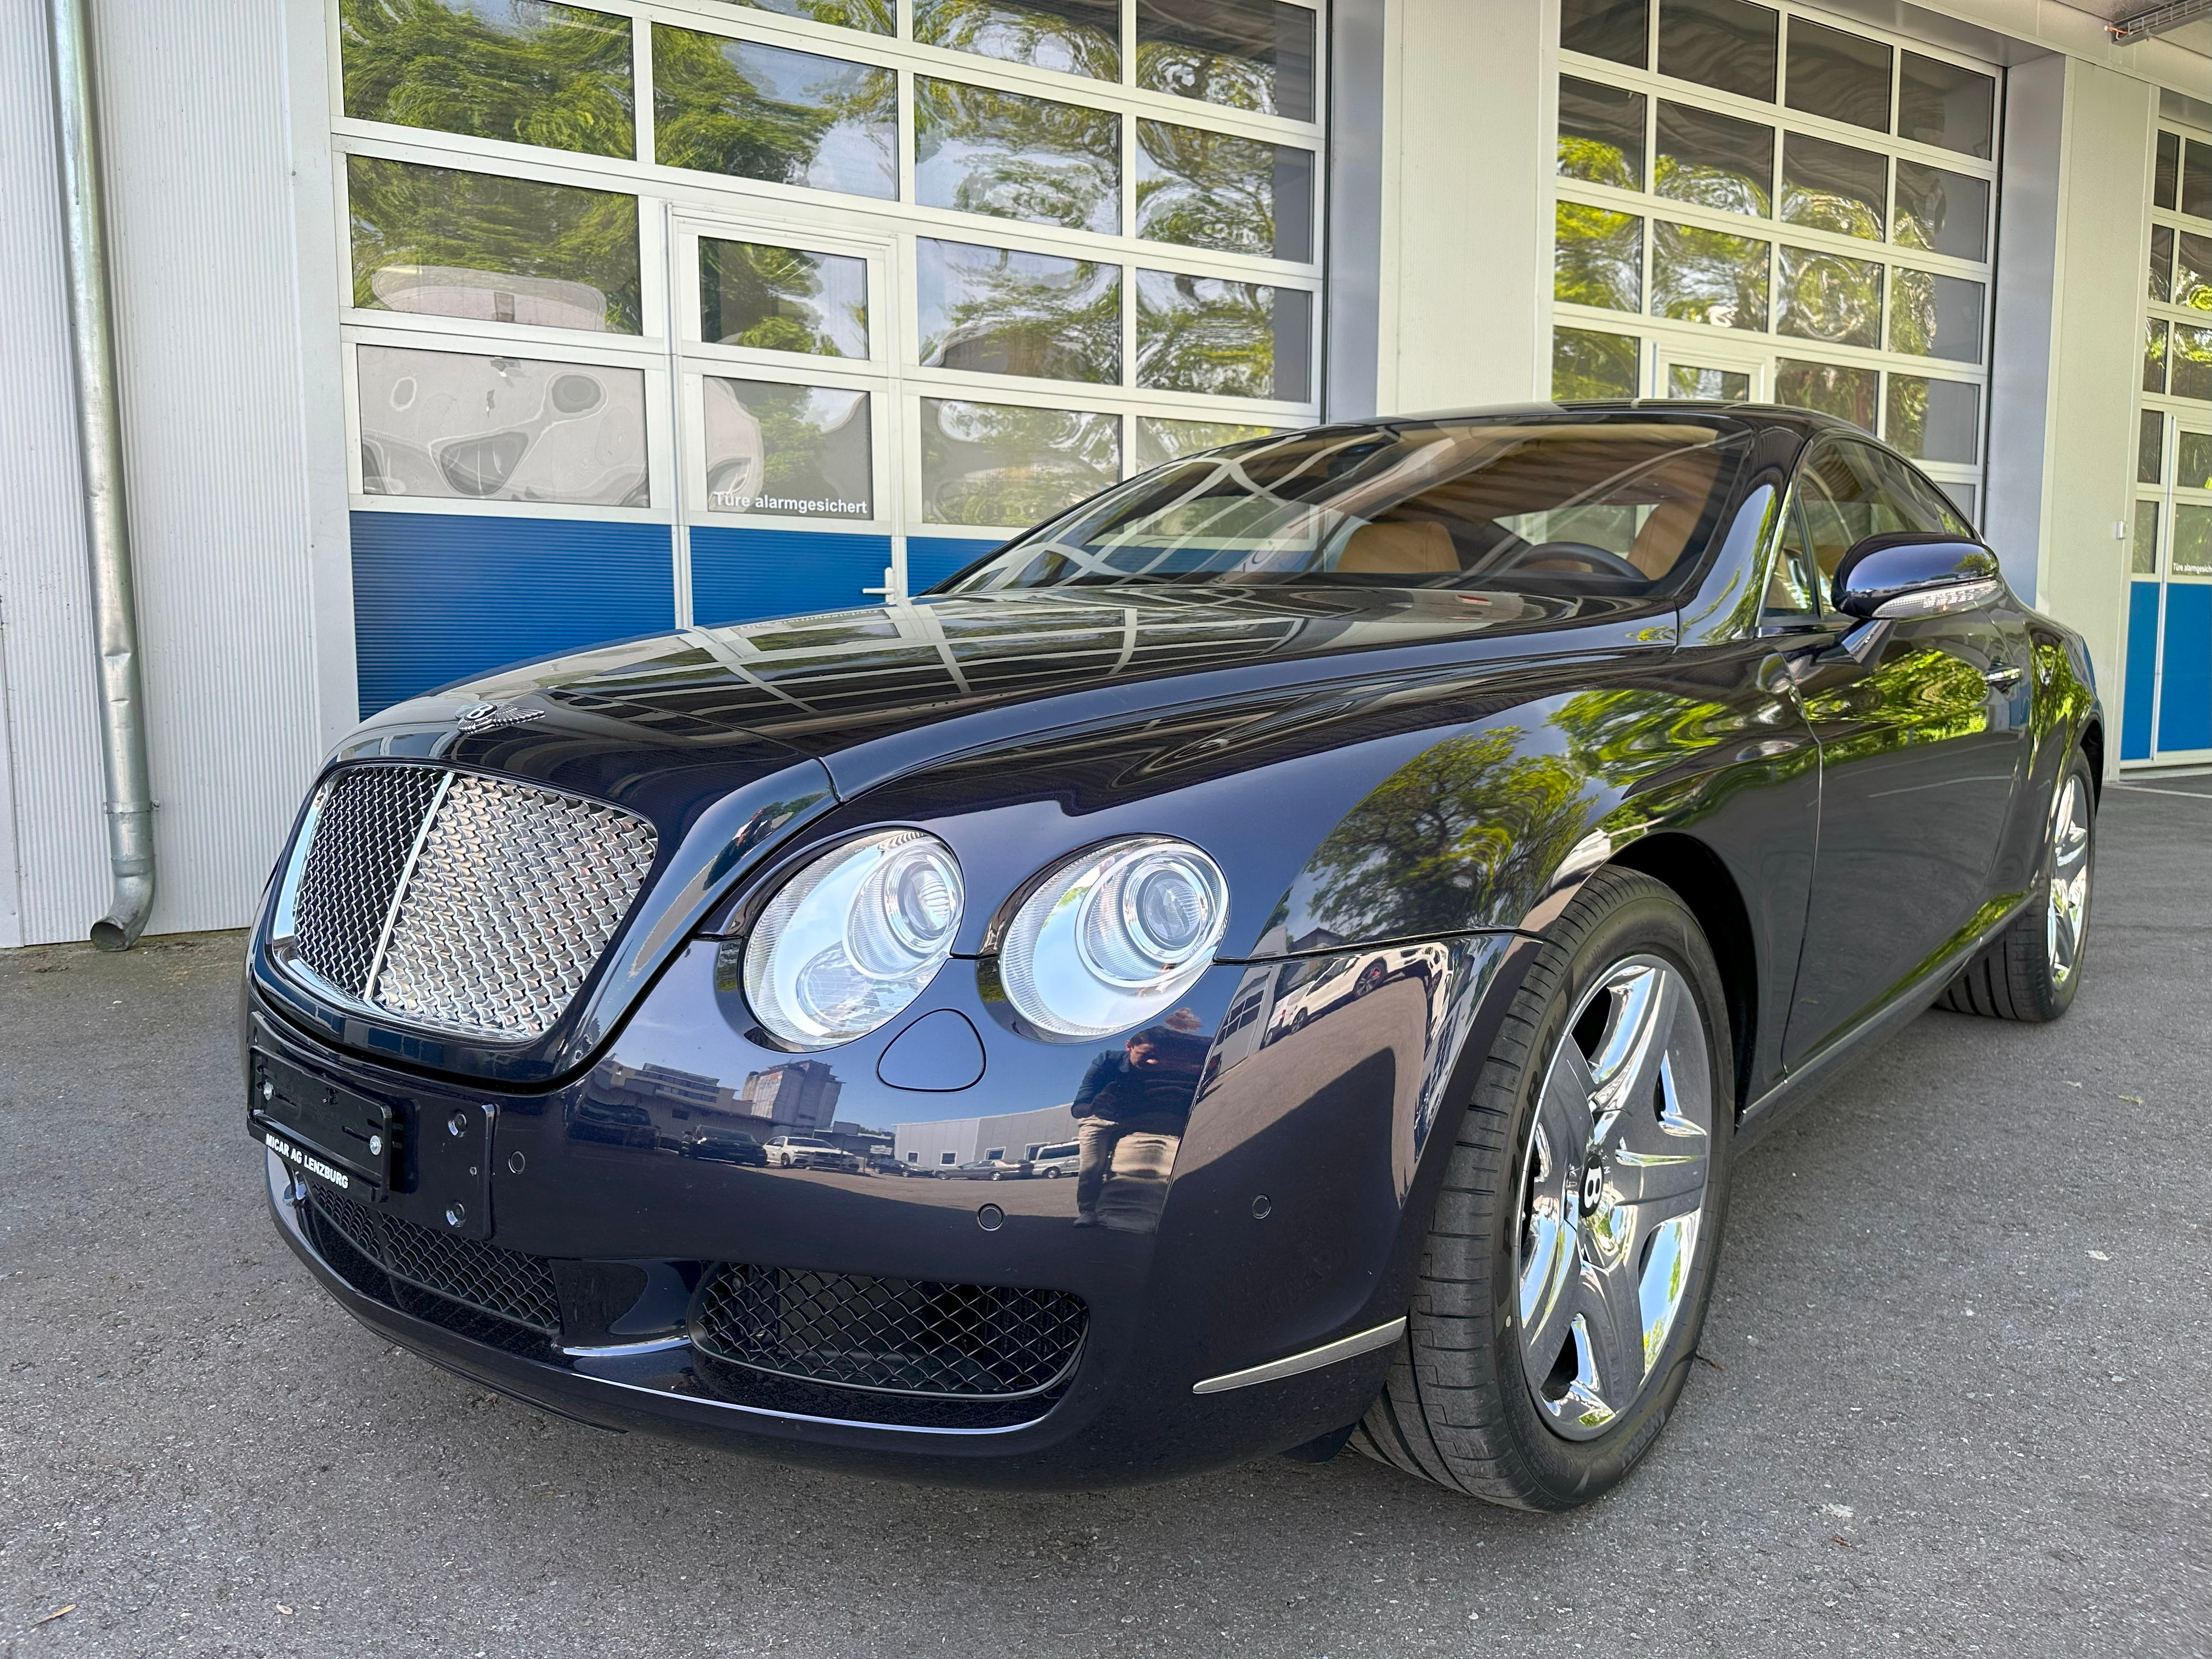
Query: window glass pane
point(1942, 104)
point(1233, 339)
point(1847, 393)
point(1214, 190)
point(1792, 587)
point(782, 299)
point(999, 312)
point(1700, 276)
point(755, 111)
point(2145, 561)
point(1842, 76)
point(2192, 467)
point(2166, 190)
point(1000, 464)
point(877, 16)
point(2192, 540)
point(1249, 54)
point(1825, 296)
point(2150, 448)
point(1587, 365)
point(1600, 133)
point(2159, 284)
point(1711, 386)
point(1904, 499)
point(2192, 363)
point(1619, 29)
point(1832, 187)
point(1076, 37)
point(1962, 497)
point(454, 424)
point(1942, 211)
point(2192, 271)
point(1933, 316)
point(519, 70)
point(787, 452)
point(1728, 44)
point(2195, 189)
point(2153, 374)
point(458, 244)
point(1934, 420)
point(1715, 161)
point(1597, 258)
point(1159, 441)
point(1018, 158)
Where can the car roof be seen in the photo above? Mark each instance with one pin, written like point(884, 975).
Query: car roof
point(1804, 422)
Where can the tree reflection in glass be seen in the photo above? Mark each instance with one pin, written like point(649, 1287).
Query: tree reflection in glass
point(1248, 54)
point(1847, 393)
point(1934, 420)
point(1825, 296)
point(1588, 364)
point(2192, 271)
point(2153, 368)
point(519, 70)
point(1160, 441)
point(1935, 316)
point(1714, 160)
point(1015, 157)
point(1946, 104)
point(1700, 276)
point(1600, 133)
point(2192, 540)
point(782, 299)
point(1206, 334)
point(995, 311)
point(1597, 258)
point(757, 112)
point(1831, 186)
point(788, 451)
point(2144, 554)
point(459, 244)
point(876, 16)
point(1075, 37)
point(1942, 211)
point(1216, 189)
point(2192, 362)
point(1008, 464)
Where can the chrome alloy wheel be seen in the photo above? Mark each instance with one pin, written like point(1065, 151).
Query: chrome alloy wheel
point(2068, 918)
point(1613, 1187)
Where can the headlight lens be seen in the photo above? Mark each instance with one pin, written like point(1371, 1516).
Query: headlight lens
point(1113, 935)
point(853, 938)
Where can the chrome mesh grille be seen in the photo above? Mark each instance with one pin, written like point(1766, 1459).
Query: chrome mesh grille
point(890, 1336)
point(511, 894)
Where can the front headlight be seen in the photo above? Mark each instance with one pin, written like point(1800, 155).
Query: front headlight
point(1112, 936)
point(853, 938)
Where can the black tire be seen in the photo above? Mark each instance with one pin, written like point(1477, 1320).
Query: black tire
point(1460, 1407)
point(2029, 972)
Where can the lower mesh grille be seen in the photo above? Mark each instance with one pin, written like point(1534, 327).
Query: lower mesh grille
point(482, 1276)
point(890, 1336)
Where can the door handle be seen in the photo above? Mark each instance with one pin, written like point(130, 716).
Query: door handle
point(2002, 679)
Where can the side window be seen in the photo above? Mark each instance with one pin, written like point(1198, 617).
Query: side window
point(1793, 590)
point(1838, 515)
point(1896, 497)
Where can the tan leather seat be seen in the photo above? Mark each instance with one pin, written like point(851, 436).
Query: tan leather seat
point(1665, 534)
point(1400, 549)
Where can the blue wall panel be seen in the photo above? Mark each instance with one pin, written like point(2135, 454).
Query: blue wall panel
point(931, 559)
point(738, 575)
point(438, 597)
point(2141, 699)
point(2184, 699)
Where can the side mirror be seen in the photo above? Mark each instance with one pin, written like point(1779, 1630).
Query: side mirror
point(1908, 574)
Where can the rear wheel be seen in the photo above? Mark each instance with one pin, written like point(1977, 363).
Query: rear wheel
point(2030, 971)
point(1567, 1273)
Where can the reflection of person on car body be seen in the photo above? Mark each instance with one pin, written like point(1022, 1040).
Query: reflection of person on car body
point(1131, 1107)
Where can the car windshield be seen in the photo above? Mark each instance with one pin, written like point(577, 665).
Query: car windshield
point(1558, 505)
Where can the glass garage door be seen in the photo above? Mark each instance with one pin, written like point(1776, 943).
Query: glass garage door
point(2168, 704)
point(688, 312)
point(1755, 202)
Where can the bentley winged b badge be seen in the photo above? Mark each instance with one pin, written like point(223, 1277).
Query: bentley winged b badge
point(479, 717)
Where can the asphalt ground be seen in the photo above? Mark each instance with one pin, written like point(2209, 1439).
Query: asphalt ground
point(1960, 1399)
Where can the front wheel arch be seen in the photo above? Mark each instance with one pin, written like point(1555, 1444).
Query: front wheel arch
point(1699, 877)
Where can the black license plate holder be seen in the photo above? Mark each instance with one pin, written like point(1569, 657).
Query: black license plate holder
point(348, 1141)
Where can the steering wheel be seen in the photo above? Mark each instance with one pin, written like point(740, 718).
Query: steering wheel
point(1601, 563)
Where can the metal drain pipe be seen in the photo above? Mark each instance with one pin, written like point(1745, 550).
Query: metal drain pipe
point(130, 794)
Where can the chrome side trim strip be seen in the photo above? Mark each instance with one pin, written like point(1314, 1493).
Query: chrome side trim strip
point(623, 1349)
point(1312, 1359)
point(399, 891)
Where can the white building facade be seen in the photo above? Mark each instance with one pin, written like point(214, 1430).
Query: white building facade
point(458, 332)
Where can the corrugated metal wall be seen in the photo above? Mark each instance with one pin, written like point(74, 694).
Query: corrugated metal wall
point(194, 117)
